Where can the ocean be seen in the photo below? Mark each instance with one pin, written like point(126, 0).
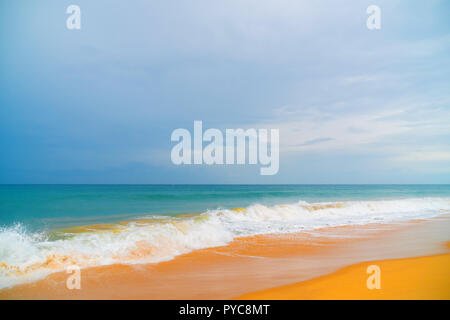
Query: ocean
point(45, 228)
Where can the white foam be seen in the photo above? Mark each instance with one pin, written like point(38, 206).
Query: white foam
point(29, 256)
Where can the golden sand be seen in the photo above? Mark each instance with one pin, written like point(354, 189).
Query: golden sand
point(414, 278)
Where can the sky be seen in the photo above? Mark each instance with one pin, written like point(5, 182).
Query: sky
point(99, 104)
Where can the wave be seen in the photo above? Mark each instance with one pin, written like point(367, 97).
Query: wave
point(26, 256)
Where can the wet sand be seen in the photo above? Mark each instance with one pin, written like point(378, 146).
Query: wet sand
point(258, 263)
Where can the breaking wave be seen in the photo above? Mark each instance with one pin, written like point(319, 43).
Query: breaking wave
point(26, 256)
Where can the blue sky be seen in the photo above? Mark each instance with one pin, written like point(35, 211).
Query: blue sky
point(98, 105)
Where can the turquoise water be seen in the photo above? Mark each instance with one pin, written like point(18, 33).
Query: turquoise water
point(59, 206)
point(132, 224)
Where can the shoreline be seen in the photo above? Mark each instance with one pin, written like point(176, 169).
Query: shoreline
point(247, 265)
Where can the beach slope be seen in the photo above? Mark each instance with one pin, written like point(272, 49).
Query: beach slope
point(425, 277)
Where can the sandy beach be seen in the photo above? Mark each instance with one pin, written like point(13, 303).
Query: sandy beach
point(421, 278)
point(328, 263)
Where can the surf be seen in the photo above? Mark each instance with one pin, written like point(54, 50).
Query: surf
point(27, 256)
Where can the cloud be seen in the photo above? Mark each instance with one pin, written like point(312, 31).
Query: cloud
point(110, 95)
point(424, 156)
point(315, 141)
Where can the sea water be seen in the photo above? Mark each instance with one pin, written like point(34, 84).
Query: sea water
point(45, 228)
